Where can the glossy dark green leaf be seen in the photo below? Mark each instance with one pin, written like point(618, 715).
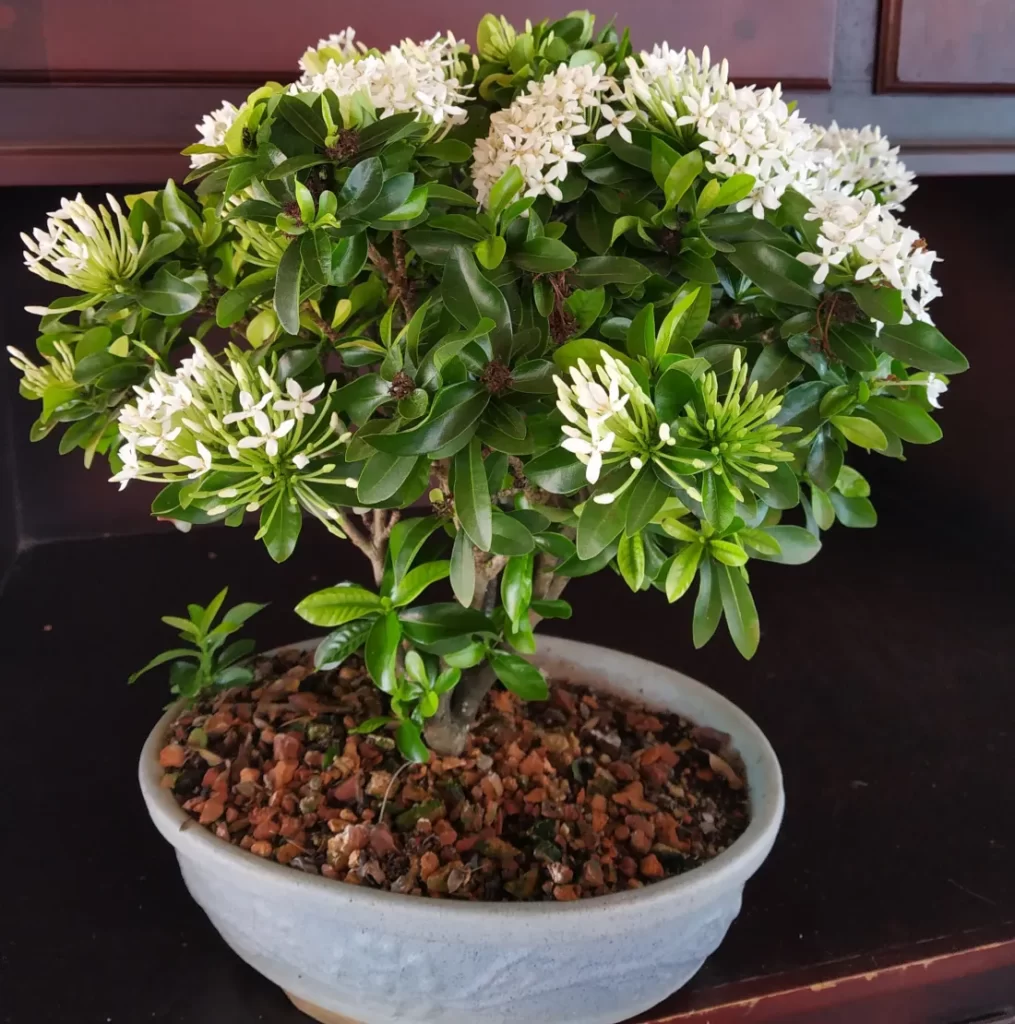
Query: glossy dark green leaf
point(921, 345)
point(801, 406)
point(287, 289)
point(167, 295)
point(469, 296)
point(857, 513)
point(884, 304)
point(307, 121)
point(796, 545)
point(741, 613)
point(519, 676)
point(383, 474)
point(395, 192)
point(907, 419)
point(407, 539)
point(544, 256)
point(824, 460)
point(381, 649)
point(680, 177)
point(516, 587)
point(435, 624)
point(775, 272)
point(707, 605)
point(281, 519)
point(509, 536)
point(594, 271)
point(594, 224)
point(455, 410)
point(601, 524)
point(472, 495)
point(648, 493)
point(361, 397)
point(341, 643)
point(463, 569)
point(717, 501)
point(775, 368)
point(417, 579)
point(848, 345)
point(673, 391)
point(315, 252)
point(783, 489)
point(361, 188)
point(348, 258)
point(557, 471)
point(409, 740)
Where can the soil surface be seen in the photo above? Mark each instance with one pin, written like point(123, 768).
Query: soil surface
point(582, 795)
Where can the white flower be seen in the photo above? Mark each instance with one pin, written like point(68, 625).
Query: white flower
point(86, 248)
point(301, 461)
point(590, 451)
point(829, 256)
point(855, 160)
point(613, 122)
point(251, 409)
point(537, 132)
point(300, 403)
point(212, 130)
point(936, 387)
point(419, 78)
point(130, 469)
point(269, 439)
point(339, 46)
point(200, 463)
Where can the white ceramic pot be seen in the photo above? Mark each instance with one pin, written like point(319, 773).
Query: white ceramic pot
point(349, 954)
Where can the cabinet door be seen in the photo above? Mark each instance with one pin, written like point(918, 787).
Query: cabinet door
point(947, 46)
point(247, 41)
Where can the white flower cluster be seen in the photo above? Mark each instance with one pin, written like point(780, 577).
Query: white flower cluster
point(212, 131)
point(419, 78)
point(746, 131)
point(89, 250)
point(537, 132)
point(856, 160)
point(864, 239)
point(610, 421)
point(339, 46)
point(237, 423)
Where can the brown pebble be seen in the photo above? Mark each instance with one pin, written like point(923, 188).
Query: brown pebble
point(261, 849)
point(428, 864)
point(213, 810)
point(651, 868)
point(566, 893)
point(172, 756)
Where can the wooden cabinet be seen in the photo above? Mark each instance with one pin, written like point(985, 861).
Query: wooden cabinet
point(947, 46)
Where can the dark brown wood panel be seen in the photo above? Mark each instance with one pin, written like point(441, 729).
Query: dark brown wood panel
point(196, 41)
point(947, 46)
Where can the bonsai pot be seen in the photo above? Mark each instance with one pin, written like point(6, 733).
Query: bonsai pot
point(347, 954)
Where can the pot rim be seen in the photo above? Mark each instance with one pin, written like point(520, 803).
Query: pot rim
point(725, 872)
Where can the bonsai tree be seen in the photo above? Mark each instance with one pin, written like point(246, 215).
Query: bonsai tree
point(504, 318)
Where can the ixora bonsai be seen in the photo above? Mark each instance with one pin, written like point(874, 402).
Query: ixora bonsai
point(501, 318)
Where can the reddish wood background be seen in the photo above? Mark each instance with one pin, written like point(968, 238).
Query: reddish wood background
point(247, 40)
point(947, 46)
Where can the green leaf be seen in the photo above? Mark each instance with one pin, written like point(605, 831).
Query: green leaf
point(557, 471)
point(161, 659)
point(707, 605)
point(466, 657)
point(922, 345)
point(599, 525)
point(507, 186)
point(775, 368)
point(176, 208)
point(381, 650)
point(544, 255)
point(796, 545)
point(307, 121)
point(300, 162)
point(648, 494)
point(824, 460)
point(490, 251)
point(717, 502)
point(348, 257)
point(594, 271)
point(741, 614)
point(906, 419)
point(822, 508)
point(733, 189)
point(631, 560)
point(472, 495)
point(682, 570)
point(341, 643)
point(668, 338)
point(167, 295)
point(519, 676)
point(760, 542)
point(463, 569)
point(591, 350)
point(334, 606)
point(680, 176)
point(361, 397)
point(363, 729)
point(469, 296)
point(510, 537)
point(315, 252)
point(361, 188)
point(775, 272)
point(852, 484)
point(663, 158)
point(410, 743)
point(857, 513)
point(382, 476)
point(437, 624)
point(287, 289)
point(455, 410)
point(281, 520)
point(863, 432)
point(407, 540)
point(416, 580)
point(516, 587)
point(848, 344)
point(884, 304)
point(451, 196)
